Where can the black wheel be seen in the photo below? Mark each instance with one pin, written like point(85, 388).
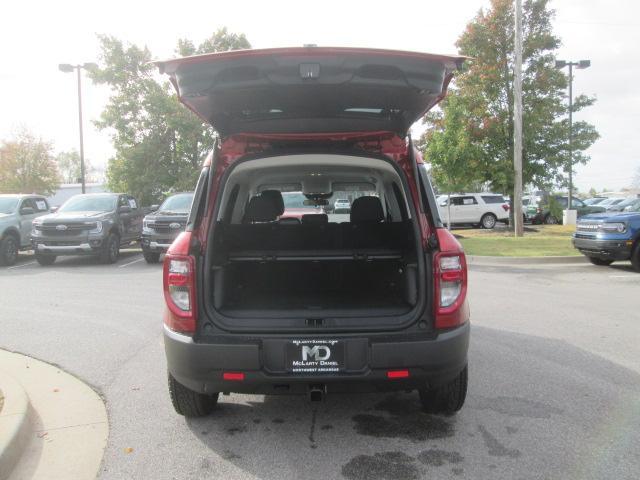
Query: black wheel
point(446, 399)
point(551, 220)
point(488, 221)
point(151, 257)
point(635, 257)
point(189, 403)
point(600, 261)
point(9, 250)
point(45, 260)
point(110, 249)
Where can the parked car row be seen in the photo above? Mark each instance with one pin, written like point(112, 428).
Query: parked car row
point(96, 224)
point(546, 214)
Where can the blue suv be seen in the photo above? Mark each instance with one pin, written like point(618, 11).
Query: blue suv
point(607, 237)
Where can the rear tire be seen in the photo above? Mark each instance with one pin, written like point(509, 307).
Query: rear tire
point(45, 260)
point(635, 257)
point(446, 399)
point(488, 221)
point(600, 261)
point(9, 250)
point(110, 249)
point(188, 403)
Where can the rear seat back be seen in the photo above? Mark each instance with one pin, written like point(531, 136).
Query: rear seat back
point(275, 236)
point(367, 230)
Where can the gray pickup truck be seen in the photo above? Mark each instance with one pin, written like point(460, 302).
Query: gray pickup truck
point(161, 227)
point(16, 214)
point(91, 224)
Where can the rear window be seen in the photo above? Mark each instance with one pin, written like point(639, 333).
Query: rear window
point(496, 199)
point(294, 200)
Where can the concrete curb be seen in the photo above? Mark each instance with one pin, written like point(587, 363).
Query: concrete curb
point(486, 260)
point(68, 428)
point(15, 424)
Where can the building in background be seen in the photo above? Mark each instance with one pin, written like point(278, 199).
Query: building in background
point(68, 190)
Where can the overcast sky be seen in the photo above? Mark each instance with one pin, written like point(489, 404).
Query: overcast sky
point(36, 36)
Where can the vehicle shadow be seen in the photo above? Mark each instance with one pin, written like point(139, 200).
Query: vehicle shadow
point(89, 260)
point(528, 396)
point(27, 264)
point(622, 267)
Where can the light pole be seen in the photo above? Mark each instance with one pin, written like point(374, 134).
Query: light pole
point(68, 68)
point(579, 65)
point(518, 227)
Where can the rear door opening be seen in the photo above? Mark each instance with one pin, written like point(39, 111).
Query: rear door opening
point(276, 268)
point(303, 121)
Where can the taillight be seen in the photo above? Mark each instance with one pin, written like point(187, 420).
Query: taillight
point(450, 269)
point(505, 207)
point(179, 286)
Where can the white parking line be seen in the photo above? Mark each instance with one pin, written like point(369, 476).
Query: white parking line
point(131, 263)
point(623, 276)
point(23, 265)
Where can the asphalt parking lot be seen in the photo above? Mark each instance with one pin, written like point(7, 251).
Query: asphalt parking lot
point(554, 383)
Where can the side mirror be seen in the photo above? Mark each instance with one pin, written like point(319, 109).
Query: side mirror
point(443, 204)
point(124, 209)
point(54, 209)
point(154, 207)
point(27, 211)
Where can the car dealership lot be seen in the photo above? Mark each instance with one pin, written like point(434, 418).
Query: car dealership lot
point(554, 383)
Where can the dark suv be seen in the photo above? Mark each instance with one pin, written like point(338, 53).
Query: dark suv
point(256, 303)
point(161, 227)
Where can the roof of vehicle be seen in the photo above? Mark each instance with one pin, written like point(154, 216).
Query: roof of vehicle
point(21, 195)
point(100, 194)
point(472, 193)
point(179, 193)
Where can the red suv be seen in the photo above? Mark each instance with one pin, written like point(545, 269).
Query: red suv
point(372, 300)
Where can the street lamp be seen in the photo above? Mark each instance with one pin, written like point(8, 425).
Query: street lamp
point(68, 68)
point(582, 64)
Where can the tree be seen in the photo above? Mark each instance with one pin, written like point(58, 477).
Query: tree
point(480, 107)
point(27, 165)
point(70, 169)
point(449, 149)
point(159, 144)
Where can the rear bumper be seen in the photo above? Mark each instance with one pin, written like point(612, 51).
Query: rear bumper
point(605, 249)
point(199, 366)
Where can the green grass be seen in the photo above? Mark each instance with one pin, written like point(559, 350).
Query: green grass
point(543, 241)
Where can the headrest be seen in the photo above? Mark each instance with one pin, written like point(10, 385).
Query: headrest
point(266, 207)
point(276, 197)
point(367, 209)
point(315, 219)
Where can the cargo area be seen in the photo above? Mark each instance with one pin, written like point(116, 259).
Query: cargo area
point(271, 259)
